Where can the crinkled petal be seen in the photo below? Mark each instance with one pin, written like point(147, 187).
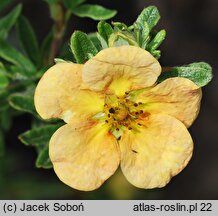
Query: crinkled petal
point(85, 157)
point(155, 153)
point(178, 97)
point(120, 69)
point(58, 94)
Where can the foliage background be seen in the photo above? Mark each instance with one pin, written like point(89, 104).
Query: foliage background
point(192, 33)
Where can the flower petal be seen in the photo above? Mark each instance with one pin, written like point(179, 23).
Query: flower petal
point(120, 69)
point(159, 150)
point(178, 97)
point(84, 158)
point(58, 94)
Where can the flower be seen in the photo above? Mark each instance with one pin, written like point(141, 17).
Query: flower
point(116, 113)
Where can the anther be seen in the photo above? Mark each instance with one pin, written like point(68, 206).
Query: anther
point(126, 93)
point(135, 104)
point(134, 151)
point(119, 138)
point(106, 121)
point(129, 128)
point(139, 124)
point(136, 113)
point(117, 129)
point(141, 111)
point(111, 110)
point(140, 103)
point(109, 115)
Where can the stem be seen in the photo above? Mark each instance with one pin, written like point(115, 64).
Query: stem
point(166, 69)
point(59, 15)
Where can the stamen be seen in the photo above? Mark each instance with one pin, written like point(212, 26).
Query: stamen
point(129, 128)
point(109, 115)
point(134, 151)
point(106, 121)
point(111, 110)
point(135, 104)
point(140, 103)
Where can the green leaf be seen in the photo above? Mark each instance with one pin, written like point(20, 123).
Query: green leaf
point(156, 42)
point(59, 60)
point(142, 35)
point(200, 73)
point(3, 96)
point(105, 30)
point(95, 40)
point(22, 103)
point(71, 4)
point(43, 160)
point(82, 47)
point(150, 15)
point(156, 53)
point(2, 143)
point(45, 48)
point(11, 55)
point(39, 136)
point(3, 79)
point(120, 39)
point(5, 118)
point(96, 12)
point(4, 4)
point(52, 1)
point(120, 26)
point(103, 43)
point(28, 40)
point(7, 22)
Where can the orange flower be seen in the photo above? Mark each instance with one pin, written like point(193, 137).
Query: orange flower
point(117, 114)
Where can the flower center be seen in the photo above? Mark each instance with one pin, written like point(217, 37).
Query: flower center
point(120, 114)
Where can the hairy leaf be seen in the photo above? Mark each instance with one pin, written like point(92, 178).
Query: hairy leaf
point(46, 47)
point(200, 73)
point(3, 80)
point(103, 43)
point(28, 39)
point(7, 22)
point(43, 160)
point(10, 54)
point(150, 15)
point(22, 103)
point(95, 40)
point(39, 136)
point(95, 12)
point(156, 42)
point(71, 4)
point(82, 47)
point(105, 30)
